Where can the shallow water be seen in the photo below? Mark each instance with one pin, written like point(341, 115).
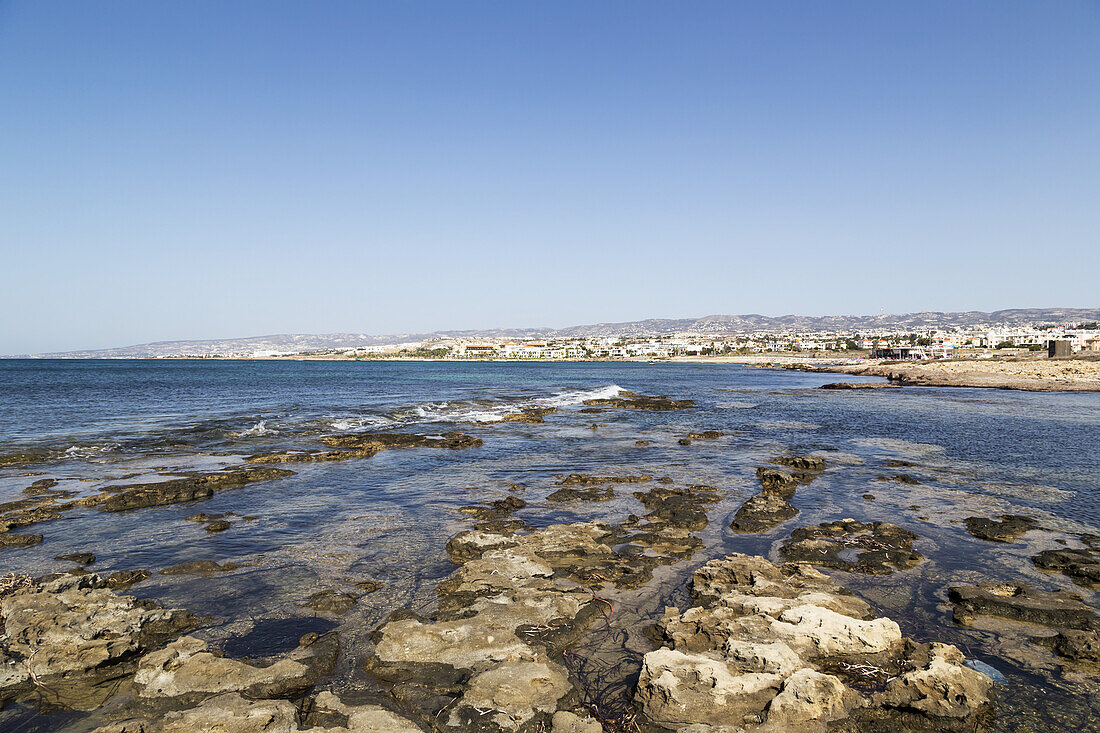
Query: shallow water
point(387, 518)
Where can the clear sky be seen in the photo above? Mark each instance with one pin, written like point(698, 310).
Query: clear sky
point(178, 170)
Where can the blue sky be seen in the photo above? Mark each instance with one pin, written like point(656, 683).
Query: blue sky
point(210, 169)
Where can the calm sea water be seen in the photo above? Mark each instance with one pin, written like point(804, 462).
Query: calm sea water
point(978, 452)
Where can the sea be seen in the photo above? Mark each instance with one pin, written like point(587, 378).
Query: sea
point(973, 452)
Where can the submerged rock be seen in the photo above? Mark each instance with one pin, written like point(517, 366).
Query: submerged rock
point(23, 458)
point(532, 415)
point(1082, 566)
point(122, 579)
point(762, 512)
point(901, 478)
point(860, 385)
point(781, 647)
point(365, 445)
point(1008, 528)
point(1079, 646)
point(41, 486)
point(585, 479)
point(80, 558)
point(633, 401)
point(367, 586)
point(494, 510)
point(777, 481)
point(705, 435)
point(1020, 602)
point(801, 463)
point(333, 602)
point(203, 517)
point(199, 567)
point(12, 539)
point(177, 490)
point(588, 493)
point(878, 548)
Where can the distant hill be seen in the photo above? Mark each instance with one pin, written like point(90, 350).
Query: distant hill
point(716, 325)
point(903, 321)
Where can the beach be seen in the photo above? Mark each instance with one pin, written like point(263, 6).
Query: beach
point(570, 546)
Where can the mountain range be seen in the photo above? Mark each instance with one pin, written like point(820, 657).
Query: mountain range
point(715, 325)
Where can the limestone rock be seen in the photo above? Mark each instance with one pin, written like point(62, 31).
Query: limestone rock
point(517, 691)
point(772, 648)
point(815, 631)
point(810, 696)
point(187, 669)
point(363, 718)
point(568, 722)
point(75, 635)
point(944, 688)
point(677, 689)
point(232, 713)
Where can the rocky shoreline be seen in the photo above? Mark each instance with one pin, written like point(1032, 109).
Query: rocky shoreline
point(1029, 375)
point(752, 642)
point(765, 647)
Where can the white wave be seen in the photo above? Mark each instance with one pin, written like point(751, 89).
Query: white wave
point(258, 429)
point(353, 424)
point(578, 396)
point(480, 413)
point(89, 451)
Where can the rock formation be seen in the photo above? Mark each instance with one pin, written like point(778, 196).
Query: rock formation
point(781, 647)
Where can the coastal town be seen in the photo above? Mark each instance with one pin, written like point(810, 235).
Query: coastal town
point(930, 343)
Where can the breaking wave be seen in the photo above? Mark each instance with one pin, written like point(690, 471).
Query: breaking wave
point(364, 422)
point(89, 451)
point(490, 411)
point(258, 429)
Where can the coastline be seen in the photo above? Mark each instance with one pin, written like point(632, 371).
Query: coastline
point(1023, 374)
point(1069, 375)
point(574, 566)
point(1038, 374)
